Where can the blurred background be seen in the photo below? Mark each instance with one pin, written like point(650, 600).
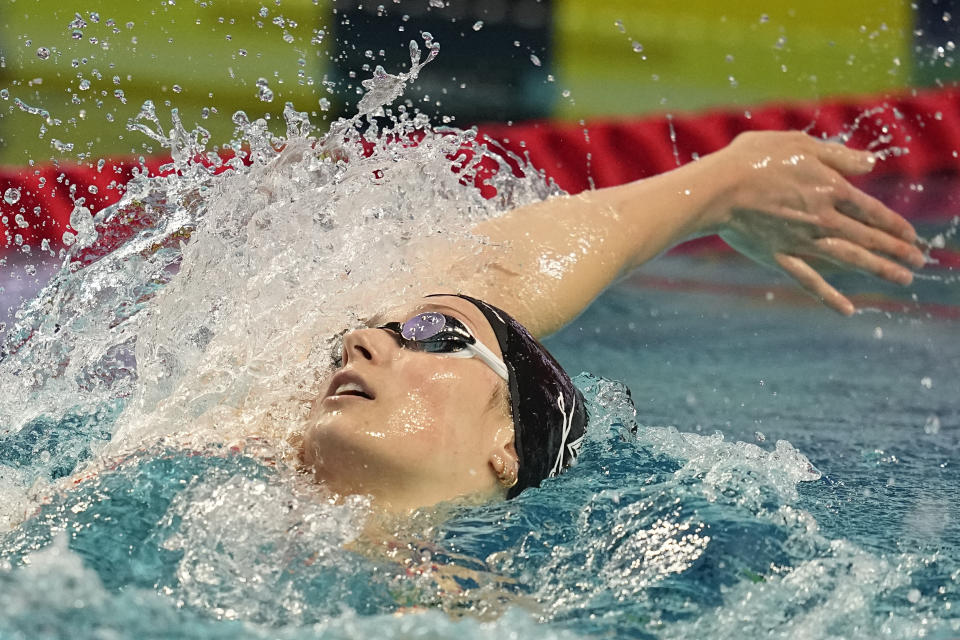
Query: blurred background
point(595, 93)
point(73, 73)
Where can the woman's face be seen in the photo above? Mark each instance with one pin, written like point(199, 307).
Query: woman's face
point(412, 428)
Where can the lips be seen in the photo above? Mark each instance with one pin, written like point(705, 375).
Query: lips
point(349, 384)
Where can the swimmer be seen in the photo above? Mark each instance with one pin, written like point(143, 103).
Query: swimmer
point(451, 396)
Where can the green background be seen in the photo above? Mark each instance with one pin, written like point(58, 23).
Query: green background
point(614, 58)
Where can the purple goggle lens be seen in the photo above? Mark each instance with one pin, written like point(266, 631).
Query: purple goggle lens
point(441, 334)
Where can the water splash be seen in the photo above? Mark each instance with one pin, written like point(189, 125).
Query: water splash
point(176, 299)
point(383, 88)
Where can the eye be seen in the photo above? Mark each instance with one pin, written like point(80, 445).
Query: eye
point(443, 345)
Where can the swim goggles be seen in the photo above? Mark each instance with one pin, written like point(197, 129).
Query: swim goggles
point(444, 335)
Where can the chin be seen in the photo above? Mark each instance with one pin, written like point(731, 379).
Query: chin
point(340, 447)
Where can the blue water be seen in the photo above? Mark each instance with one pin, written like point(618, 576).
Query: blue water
point(666, 528)
point(872, 401)
point(755, 465)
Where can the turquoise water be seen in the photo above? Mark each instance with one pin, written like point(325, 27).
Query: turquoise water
point(755, 466)
point(666, 532)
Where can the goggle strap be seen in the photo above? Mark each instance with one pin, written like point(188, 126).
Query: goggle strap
point(490, 359)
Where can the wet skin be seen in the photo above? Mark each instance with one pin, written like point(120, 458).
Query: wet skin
point(411, 428)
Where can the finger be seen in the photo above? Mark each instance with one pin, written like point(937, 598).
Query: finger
point(850, 162)
point(849, 254)
point(876, 240)
point(813, 283)
point(869, 210)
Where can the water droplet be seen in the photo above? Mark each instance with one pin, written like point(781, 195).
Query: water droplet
point(932, 425)
point(264, 12)
point(5, 94)
point(264, 92)
point(76, 34)
point(21, 221)
point(926, 382)
point(43, 53)
point(437, 4)
point(26, 108)
point(94, 16)
point(878, 333)
point(535, 60)
point(733, 82)
point(478, 25)
point(84, 84)
point(913, 596)
point(11, 196)
point(177, 88)
point(637, 47)
point(729, 57)
point(62, 147)
point(764, 18)
point(242, 53)
point(324, 104)
point(619, 25)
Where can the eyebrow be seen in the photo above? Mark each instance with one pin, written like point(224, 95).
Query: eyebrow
point(456, 313)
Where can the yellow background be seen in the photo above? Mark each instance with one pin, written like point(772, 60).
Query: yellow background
point(695, 54)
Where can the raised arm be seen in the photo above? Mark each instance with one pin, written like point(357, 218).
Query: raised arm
point(780, 198)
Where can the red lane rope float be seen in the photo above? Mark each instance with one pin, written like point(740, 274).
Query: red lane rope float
point(612, 152)
point(47, 195)
point(920, 176)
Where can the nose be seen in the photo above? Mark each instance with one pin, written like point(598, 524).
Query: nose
point(373, 345)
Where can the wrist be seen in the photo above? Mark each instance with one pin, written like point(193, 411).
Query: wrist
point(716, 180)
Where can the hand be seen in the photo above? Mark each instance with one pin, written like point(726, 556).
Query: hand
point(790, 202)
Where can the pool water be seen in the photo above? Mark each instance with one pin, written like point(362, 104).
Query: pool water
point(755, 466)
point(870, 401)
point(675, 530)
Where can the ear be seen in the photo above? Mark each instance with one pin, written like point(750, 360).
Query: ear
point(503, 456)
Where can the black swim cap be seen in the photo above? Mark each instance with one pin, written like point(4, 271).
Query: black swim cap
point(549, 417)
